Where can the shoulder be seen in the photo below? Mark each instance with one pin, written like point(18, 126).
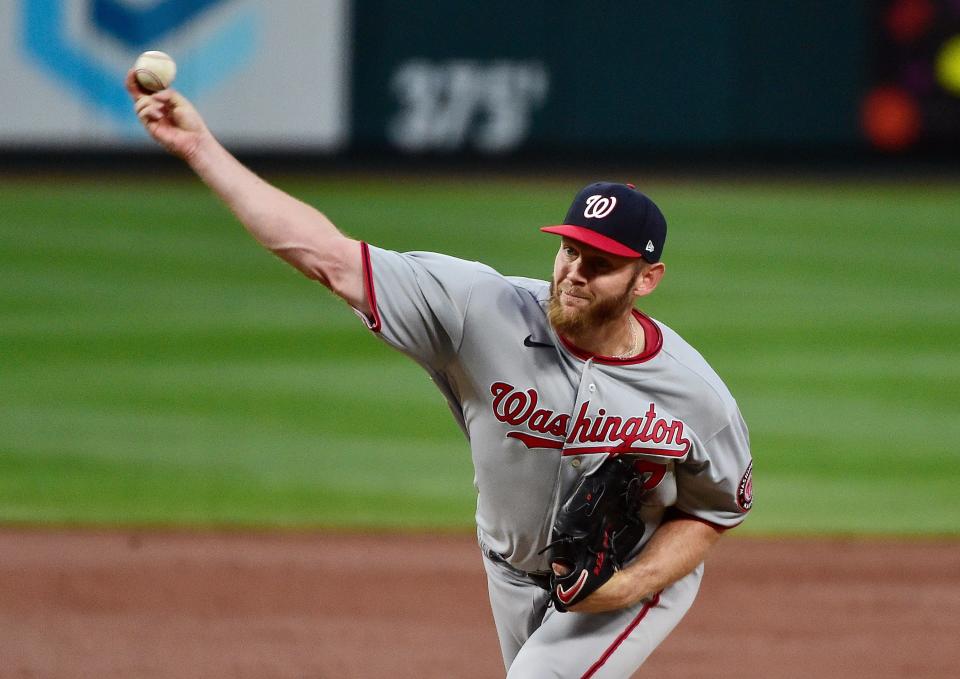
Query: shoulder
point(688, 367)
point(531, 287)
point(485, 278)
point(430, 260)
point(455, 273)
point(421, 268)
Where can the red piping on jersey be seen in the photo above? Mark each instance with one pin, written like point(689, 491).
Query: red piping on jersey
point(652, 338)
point(368, 286)
point(623, 635)
point(624, 450)
point(531, 441)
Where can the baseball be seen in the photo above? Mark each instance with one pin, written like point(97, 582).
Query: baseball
point(155, 70)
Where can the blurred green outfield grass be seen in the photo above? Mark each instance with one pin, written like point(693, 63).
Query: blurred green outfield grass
point(158, 368)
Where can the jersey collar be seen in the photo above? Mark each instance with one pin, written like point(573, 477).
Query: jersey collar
point(653, 342)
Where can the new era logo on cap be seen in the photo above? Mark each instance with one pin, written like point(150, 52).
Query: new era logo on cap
point(615, 218)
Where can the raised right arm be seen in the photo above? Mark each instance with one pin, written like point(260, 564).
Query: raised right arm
point(291, 229)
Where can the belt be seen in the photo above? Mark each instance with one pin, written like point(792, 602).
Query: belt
point(540, 578)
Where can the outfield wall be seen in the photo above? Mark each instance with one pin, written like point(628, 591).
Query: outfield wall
point(498, 78)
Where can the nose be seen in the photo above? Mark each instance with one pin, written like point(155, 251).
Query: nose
point(575, 273)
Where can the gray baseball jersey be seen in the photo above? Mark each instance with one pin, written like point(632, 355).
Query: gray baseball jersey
point(539, 412)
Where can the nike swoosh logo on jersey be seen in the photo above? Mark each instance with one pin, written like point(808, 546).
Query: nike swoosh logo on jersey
point(569, 594)
point(528, 341)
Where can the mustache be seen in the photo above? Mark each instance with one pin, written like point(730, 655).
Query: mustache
point(571, 290)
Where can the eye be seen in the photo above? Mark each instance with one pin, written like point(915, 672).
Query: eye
point(570, 252)
point(602, 266)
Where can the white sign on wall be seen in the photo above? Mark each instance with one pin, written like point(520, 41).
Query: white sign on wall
point(264, 75)
point(448, 106)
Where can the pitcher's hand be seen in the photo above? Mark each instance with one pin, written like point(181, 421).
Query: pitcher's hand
point(169, 118)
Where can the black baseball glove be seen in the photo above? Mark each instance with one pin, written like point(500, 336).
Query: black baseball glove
point(596, 528)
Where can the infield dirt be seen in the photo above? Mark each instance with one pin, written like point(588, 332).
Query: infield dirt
point(154, 604)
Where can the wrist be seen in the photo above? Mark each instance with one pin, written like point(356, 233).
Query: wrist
point(635, 584)
point(204, 153)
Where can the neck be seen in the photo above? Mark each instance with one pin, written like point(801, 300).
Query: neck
point(618, 337)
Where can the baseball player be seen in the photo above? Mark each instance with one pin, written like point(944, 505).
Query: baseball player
point(549, 380)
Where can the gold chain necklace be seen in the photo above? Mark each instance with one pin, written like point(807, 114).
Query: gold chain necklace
point(634, 345)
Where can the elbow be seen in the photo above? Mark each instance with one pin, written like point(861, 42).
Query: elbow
point(317, 275)
point(339, 269)
point(305, 261)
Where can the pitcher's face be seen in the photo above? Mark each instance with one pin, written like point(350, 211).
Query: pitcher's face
point(590, 287)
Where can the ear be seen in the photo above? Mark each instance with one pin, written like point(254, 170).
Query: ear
point(649, 278)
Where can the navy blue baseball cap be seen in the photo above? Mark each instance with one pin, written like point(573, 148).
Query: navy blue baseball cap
point(615, 218)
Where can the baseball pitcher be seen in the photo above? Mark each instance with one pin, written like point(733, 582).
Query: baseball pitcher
point(609, 456)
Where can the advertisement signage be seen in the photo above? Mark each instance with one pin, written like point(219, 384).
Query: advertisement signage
point(265, 75)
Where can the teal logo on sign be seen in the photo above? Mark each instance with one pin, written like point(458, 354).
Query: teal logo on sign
point(53, 44)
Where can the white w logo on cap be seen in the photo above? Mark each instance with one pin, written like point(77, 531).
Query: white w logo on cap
point(599, 206)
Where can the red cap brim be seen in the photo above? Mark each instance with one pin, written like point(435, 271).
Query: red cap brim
point(593, 239)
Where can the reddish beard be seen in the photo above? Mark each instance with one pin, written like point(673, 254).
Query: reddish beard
point(572, 321)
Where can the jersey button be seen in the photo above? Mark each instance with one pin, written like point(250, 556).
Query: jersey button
point(592, 388)
point(575, 462)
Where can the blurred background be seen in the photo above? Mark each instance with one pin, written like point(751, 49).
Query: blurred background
point(629, 80)
point(156, 368)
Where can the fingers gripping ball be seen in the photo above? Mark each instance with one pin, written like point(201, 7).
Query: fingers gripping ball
point(595, 530)
point(155, 70)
